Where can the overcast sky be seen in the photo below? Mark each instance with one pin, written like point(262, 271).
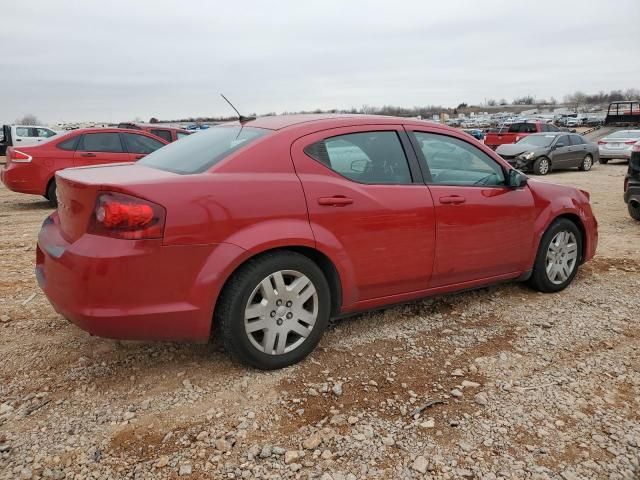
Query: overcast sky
point(111, 60)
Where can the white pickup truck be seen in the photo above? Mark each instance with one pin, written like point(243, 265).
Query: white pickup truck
point(16, 135)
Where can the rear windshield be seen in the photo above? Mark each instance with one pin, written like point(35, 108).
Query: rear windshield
point(537, 140)
point(200, 151)
point(626, 134)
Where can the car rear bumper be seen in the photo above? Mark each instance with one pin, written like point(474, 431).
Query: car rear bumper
point(20, 177)
point(130, 289)
point(622, 153)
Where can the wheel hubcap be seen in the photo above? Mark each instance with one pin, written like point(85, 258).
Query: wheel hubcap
point(587, 162)
point(281, 312)
point(562, 256)
point(544, 166)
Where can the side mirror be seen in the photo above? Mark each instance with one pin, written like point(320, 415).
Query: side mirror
point(516, 179)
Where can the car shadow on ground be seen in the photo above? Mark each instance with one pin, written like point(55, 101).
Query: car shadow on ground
point(38, 205)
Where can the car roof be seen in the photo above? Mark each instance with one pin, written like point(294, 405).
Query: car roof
point(279, 122)
point(543, 134)
point(151, 125)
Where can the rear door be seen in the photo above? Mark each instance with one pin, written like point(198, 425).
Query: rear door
point(98, 148)
point(369, 207)
point(138, 145)
point(578, 150)
point(483, 228)
point(24, 136)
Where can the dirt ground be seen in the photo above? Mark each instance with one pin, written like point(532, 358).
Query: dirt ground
point(526, 385)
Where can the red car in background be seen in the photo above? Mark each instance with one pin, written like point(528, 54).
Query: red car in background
point(31, 169)
point(260, 232)
point(170, 134)
point(516, 131)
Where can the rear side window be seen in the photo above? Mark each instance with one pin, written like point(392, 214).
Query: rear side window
point(101, 142)
point(22, 132)
point(141, 143)
point(70, 144)
point(523, 128)
point(576, 140)
point(164, 134)
point(180, 135)
point(368, 157)
point(203, 150)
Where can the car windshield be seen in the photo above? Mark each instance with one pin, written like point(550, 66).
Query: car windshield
point(626, 134)
point(537, 140)
point(200, 151)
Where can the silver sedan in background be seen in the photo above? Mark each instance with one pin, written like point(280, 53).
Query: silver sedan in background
point(617, 145)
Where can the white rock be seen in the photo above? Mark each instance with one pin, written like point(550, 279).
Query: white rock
point(481, 398)
point(291, 456)
point(457, 373)
point(162, 462)
point(312, 442)
point(185, 469)
point(420, 464)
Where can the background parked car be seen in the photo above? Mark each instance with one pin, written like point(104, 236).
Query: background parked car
point(515, 132)
point(543, 152)
point(23, 135)
point(170, 134)
point(31, 169)
point(632, 183)
point(617, 145)
point(475, 133)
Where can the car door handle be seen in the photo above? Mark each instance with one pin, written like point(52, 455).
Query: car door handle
point(88, 155)
point(452, 199)
point(335, 201)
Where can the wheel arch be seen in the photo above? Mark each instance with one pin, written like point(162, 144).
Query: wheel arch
point(325, 264)
point(577, 221)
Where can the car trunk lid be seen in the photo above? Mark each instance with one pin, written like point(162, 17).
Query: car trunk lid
point(78, 188)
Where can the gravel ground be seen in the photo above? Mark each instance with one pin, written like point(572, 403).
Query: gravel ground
point(501, 382)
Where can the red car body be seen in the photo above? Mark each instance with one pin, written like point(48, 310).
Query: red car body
point(516, 131)
point(170, 134)
point(378, 244)
point(32, 169)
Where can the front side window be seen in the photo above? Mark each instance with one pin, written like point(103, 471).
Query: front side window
point(197, 153)
point(367, 157)
point(141, 143)
point(451, 161)
point(101, 142)
point(180, 135)
point(164, 134)
point(563, 141)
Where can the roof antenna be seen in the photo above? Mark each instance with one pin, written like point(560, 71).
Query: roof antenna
point(241, 118)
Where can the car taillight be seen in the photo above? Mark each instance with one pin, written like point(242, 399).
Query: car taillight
point(600, 142)
point(17, 156)
point(124, 216)
point(631, 142)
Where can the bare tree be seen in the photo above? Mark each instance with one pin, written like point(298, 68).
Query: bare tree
point(28, 119)
point(491, 102)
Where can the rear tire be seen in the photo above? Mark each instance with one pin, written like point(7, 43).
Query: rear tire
point(264, 320)
point(52, 193)
point(558, 257)
point(542, 166)
point(634, 210)
point(604, 161)
point(586, 164)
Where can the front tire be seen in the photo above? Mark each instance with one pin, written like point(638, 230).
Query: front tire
point(542, 166)
point(558, 257)
point(586, 164)
point(634, 210)
point(274, 309)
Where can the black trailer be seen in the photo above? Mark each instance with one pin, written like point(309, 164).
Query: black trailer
point(625, 113)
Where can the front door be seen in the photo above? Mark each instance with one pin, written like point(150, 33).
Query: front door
point(483, 228)
point(369, 208)
point(99, 148)
point(561, 156)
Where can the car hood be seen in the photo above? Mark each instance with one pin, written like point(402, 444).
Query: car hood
point(518, 148)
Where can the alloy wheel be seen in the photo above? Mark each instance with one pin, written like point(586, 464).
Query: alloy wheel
point(281, 312)
point(562, 257)
point(544, 166)
point(587, 162)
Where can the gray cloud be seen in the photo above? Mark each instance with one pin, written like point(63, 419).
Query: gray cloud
point(97, 60)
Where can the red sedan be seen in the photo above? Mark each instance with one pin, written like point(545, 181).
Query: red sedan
point(32, 169)
point(261, 231)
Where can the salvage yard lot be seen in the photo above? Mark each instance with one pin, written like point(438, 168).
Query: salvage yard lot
point(532, 385)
